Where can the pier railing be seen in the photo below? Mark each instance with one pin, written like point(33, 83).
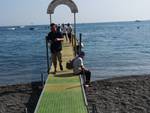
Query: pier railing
point(94, 109)
point(82, 77)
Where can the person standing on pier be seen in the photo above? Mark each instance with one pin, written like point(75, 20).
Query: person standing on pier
point(64, 31)
point(78, 68)
point(69, 32)
point(55, 38)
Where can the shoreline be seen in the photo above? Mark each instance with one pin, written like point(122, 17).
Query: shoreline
point(128, 94)
point(20, 97)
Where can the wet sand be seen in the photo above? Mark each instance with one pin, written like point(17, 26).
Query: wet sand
point(19, 98)
point(120, 95)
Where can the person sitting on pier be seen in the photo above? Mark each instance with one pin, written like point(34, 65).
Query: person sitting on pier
point(55, 38)
point(78, 68)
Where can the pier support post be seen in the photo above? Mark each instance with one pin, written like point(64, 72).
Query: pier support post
point(47, 55)
point(94, 110)
point(50, 19)
point(75, 34)
point(75, 24)
point(42, 79)
point(26, 110)
point(80, 48)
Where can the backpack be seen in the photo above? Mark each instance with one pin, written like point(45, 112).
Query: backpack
point(69, 64)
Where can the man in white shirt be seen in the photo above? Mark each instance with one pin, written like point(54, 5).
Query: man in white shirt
point(78, 68)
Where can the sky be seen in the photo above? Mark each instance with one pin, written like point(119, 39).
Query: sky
point(33, 12)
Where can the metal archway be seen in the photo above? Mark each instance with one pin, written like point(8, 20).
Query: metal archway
point(50, 11)
point(69, 3)
point(55, 3)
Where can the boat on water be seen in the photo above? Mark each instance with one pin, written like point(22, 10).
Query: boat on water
point(21, 26)
point(13, 28)
point(31, 28)
point(137, 20)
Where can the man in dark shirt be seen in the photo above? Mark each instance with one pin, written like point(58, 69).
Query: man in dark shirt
point(55, 38)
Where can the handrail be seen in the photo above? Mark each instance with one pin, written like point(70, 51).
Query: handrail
point(74, 44)
point(83, 92)
point(37, 106)
point(49, 64)
point(82, 82)
point(94, 110)
point(47, 55)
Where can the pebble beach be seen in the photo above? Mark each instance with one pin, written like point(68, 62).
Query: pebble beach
point(129, 94)
point(20, 98)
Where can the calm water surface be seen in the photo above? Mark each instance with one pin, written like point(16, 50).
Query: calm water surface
point(112, 49)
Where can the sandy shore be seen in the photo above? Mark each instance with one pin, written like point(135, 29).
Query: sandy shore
point(16, 98)
point(120, 95)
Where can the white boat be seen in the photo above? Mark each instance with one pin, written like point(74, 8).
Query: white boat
point(21, 26)
point(13, 28)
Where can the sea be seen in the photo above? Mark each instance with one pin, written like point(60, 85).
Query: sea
point(112, 49)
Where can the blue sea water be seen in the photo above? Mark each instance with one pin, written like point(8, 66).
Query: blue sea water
point(22, 54)
point(112, 49)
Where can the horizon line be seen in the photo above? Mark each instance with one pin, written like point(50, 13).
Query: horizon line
point(82, 23)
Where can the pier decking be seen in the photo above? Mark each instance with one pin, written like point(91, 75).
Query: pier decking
point(62, 92)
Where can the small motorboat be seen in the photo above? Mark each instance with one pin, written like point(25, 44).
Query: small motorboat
point(13, 28)
point(31, 28)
